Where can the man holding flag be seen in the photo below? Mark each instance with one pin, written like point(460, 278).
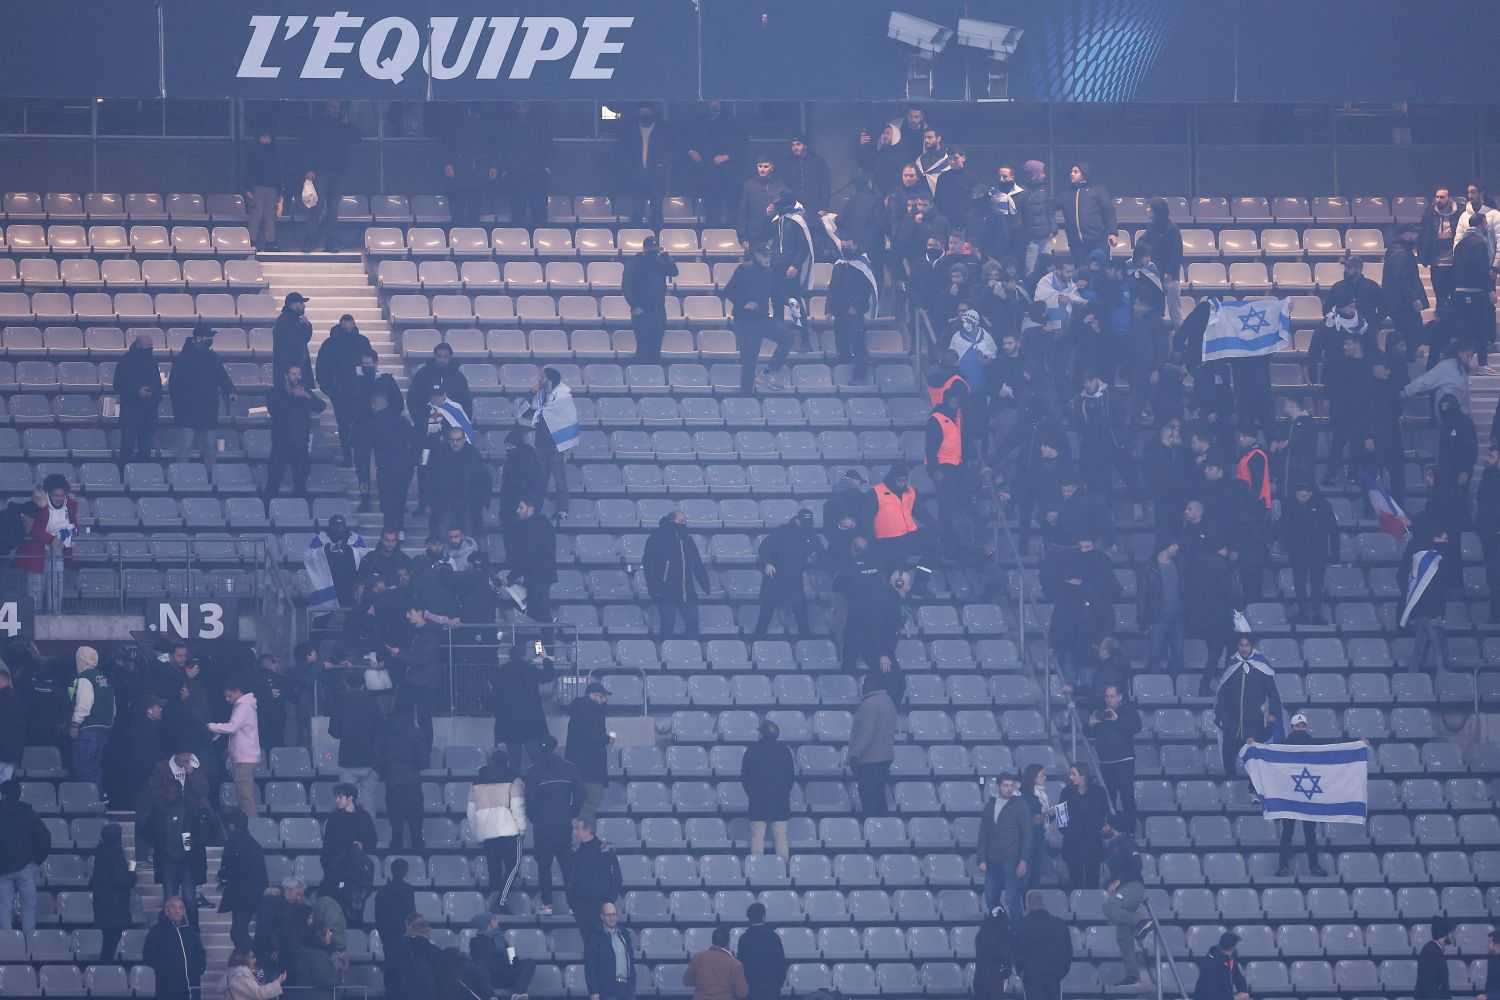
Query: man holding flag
point(1298, 736)
point(1425, 598)
point(1246, 328)
point(1248, 706)
point(1313, 783)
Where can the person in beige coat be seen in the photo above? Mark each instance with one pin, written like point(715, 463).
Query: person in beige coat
point(872, 745)
point(497, 819)
point(715, 974)
point(242, 984)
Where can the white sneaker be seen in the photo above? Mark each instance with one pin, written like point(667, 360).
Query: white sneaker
point(1488, 370)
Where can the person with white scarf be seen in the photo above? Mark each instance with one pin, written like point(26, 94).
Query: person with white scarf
point(934, 160)
point(853, 300)
point(554, 418)
point(793, 261)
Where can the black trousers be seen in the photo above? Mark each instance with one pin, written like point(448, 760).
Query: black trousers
point(239, 933)
point(345, 413)
point(528, 201)
point(404, 806)
point(109, 941)
point(282, 460)
point(1083, 870)
point(503, 856)
point(1307, 580)
point(1475, 314)
point(849, 336)
point(325, 217)
point(1491, 545)
point(791, 601)
point(1442, 286)
point(1119, 776)
point(650, 327)
point(394, 484)
point(137, 430)
point(872, 779)
point(749, 334)
point(552, 845)
point(1309, 840)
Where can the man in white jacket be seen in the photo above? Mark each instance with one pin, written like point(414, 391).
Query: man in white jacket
point(1476, 207)
point(243, 730)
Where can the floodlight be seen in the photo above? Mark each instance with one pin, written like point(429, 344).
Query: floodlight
point(1000, 40)
point(927, 37)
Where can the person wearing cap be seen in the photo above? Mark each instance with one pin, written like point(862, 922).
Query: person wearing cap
point(588, 741)
point(93, 716)
point(1354, 287)
point(675, 575)
point(338, 372)
point(1219, 974)
point(806, 175)
point(1432, 963)
point(554, 795)
point(645, 153)
point(757, 194)
point(715, 148)
point(755, 294)
point(848, 514)
point(769, 774)
point(197, 382)
point(1044, 949)
point(644, 285)
point(786, 554)
point(293, 408)
point(1298, 735)
point(290, 337)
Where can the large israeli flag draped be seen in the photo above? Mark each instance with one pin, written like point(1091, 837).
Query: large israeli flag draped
point(321, 595)
point(1326, 783)
point(1246, 328)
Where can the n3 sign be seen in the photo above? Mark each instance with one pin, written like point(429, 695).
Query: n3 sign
point(193, 619)
point(17, 617)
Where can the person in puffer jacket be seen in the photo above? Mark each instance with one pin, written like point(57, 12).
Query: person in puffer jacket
point(497, 819)
point(242, 984)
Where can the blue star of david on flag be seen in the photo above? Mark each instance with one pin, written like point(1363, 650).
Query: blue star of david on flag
point(1307, 783)
point(1253, 320)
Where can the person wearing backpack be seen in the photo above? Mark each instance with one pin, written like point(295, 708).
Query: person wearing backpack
point(24, 845)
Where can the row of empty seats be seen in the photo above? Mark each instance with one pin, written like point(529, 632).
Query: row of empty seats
point(129, 274)
point(116, 241)
point(22, 206)
point(138, 308)
point(513, 242)
point(557, 275)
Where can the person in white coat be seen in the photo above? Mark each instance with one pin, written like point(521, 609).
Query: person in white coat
point(242, 984)
point(497, 820)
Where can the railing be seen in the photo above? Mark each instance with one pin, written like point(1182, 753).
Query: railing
point(1096, 772)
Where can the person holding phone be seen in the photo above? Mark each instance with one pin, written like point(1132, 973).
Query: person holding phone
point(516, 694)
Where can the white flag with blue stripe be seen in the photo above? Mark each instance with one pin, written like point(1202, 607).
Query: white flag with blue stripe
point(1246, 328)
point(1424, 570)
point(321, 594)
point(1325, 783)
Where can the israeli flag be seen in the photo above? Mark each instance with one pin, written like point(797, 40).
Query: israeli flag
point(453, 415)
point(1246, 328)
point(321, 595)
point(1327, 783)
point(1424, 570)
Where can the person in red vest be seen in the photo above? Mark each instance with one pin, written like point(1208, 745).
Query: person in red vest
point(946, 466)
point(1254, 466)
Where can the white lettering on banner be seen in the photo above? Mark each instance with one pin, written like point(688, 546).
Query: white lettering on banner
point(173, 619)
point(390, 47)
point(10, 619)
point(392, 69)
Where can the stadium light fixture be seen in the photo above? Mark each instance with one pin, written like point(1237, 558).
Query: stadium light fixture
point(1000, 42)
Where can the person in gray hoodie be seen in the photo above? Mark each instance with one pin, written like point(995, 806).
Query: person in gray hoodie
point(872, 745)
point(1449, 377)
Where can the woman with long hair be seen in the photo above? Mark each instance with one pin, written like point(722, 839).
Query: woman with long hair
point(1087, 822)
point(242, 984)
point(1033, 792)
point(497, 819)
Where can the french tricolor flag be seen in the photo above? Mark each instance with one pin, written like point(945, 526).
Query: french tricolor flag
point(1393, 520)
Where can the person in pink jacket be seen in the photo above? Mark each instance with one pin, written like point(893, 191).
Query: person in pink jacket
point(243, 730)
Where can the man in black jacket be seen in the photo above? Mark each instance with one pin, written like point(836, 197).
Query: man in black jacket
point(757, 195)
point(1113, 730)
point(644, 157)
point(394, 902)
point(554, 794)
point(675, 574)
point(1088, 215)
point(1247, 703)
point(1038, 218)
point(290, 336)
point(769, 773)
point(1298, 735)
point(458, 484)
point(595, 878)
point(644, 285)
point(1432, 963)
point(1005, 840)
point(853, 297)
point(754, 292)
point(806, 174)
point(588, 742)
point(24, 845)
point(761, 953)
point(716, 154)
point(197, 381)
point(1219, 974)
point(338, 372)
point(391, 440)
point(522, 476)
point(1487, 527)
point(439, 373)
point(175, 953)
point(1165, 241)
point(328, 143)
point(1044, 950)
point(516, 696)
point(355, 723)
point(531, 551)
point(403, 757)
point(1435, 246)
point(1310, 536)
point(349, 839)
point(263, 182)
point(786, 554)
point(292, 409)
point(1354, 287)
point(1403, 294)
point(138, 383)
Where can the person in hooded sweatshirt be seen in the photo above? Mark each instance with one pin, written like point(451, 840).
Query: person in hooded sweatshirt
point(675, 574)
point(1309, 535)
point(175, 953)
point(1248, 704)
point(1219, 974)
point(337, 371)
point(1088, 215)
point(786, 554)
point(111, 883)
point(138, 383)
